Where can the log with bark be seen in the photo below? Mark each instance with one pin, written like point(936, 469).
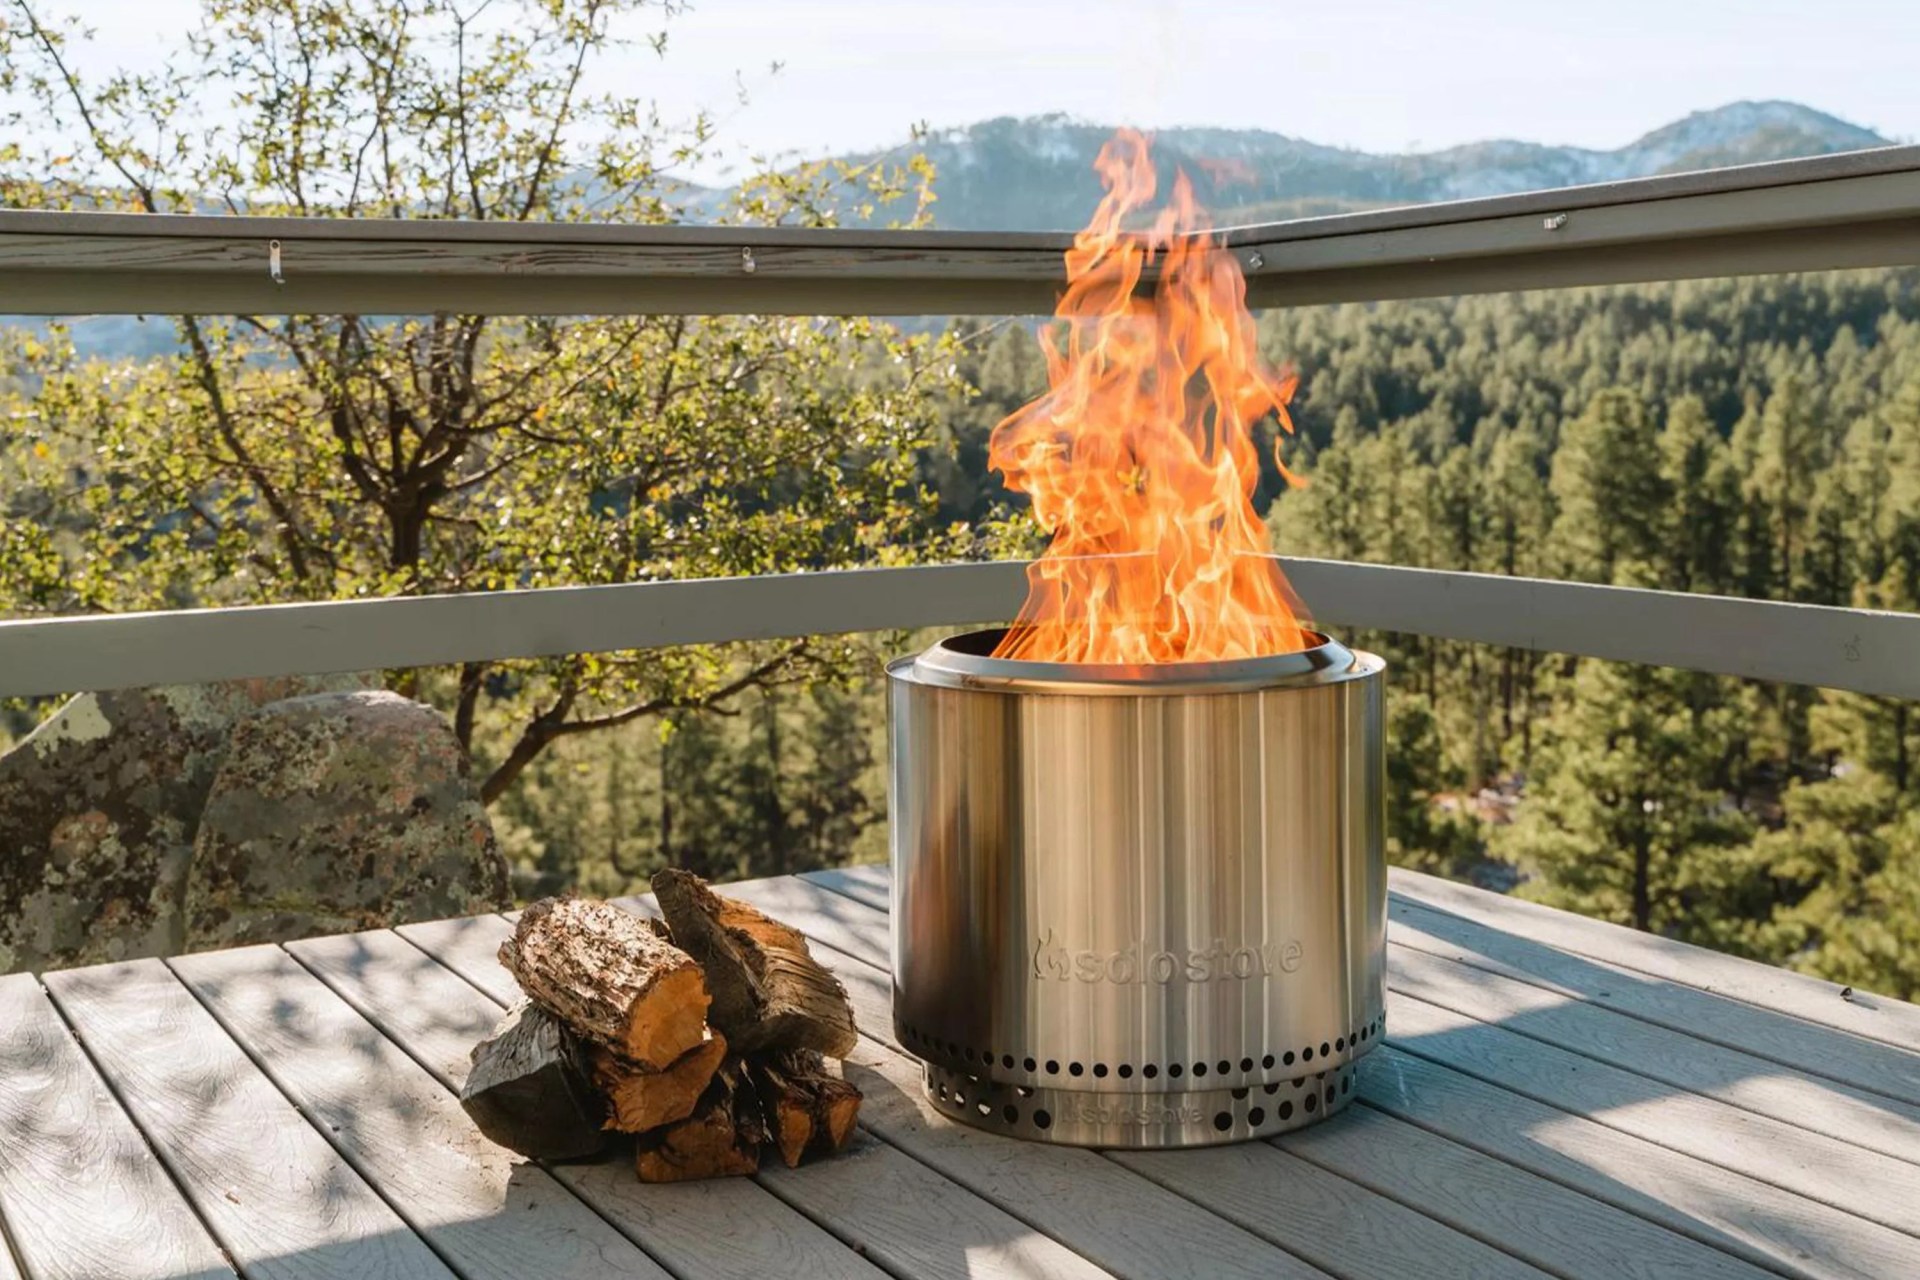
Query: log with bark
point(528, 1089)
point(604, 973)
point(768, 990)
point(807, 1109)
point(703, 1034)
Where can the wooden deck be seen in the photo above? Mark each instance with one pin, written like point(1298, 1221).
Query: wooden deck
point(1555, 1097)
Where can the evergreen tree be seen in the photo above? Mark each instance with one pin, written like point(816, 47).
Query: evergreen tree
point(1616, 818)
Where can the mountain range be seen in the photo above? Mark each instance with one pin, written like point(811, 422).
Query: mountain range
point(1035, 174)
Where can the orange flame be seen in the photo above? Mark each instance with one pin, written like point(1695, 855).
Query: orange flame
point(1140, 457)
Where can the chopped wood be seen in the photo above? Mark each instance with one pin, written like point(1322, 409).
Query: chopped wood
point(720, 1139)
point(528, 1089)
point(607, 975)
point(768, 990)
point(836, 1114)
point(807, 1108)
point(639, 1099)
point(787, 1106)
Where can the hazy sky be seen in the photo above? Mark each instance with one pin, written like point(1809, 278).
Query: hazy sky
point(1384, 75)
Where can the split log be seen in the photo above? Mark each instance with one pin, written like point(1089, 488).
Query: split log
point(720, 1139)
point(807, 1109)
point(639, 1099)
point(768, 990)
point(528, 1089)
point(607, 975)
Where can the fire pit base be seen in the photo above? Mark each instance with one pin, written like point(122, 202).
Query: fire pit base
point(1082, 1118)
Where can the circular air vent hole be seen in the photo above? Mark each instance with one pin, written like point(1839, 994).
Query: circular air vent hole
point(1224, 1068)
point(1028, 1064)
point(1286, 1111)
point(1075, 1069)
point(1240, 1094)
point(1010, 1113)
point(1287, 1057)
point(1041, 1120)
point(1306, 1054)
point(1266, 1063)
point(1149, 1071)
point(1246, 1064)
point(1199, 1069)
point(1329, 1095)
point(1312, 1103)
point(1270, 1089)
point(1006, 1060)
point(1222, 1121)
point(984, 1108)
point(1346, 1086)
point(1126, 1071)
point(1340, 1044)
point(1053, 1068)
point(1173, 1070)
point(1324, 1050)
point(1257, 1117)
point(1100, 1071)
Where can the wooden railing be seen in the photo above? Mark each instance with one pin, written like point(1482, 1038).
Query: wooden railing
point(1856, 210)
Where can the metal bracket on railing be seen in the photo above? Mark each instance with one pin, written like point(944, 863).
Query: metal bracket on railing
point(747, 264)
point(1555, 221)
point(273, 262)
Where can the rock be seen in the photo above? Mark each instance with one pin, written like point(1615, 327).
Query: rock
point(336, 812)
point(98, 810)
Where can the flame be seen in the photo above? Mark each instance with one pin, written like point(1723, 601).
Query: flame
point(1140, 458)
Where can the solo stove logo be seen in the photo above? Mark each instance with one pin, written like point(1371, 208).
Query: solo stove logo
point(1133, 965)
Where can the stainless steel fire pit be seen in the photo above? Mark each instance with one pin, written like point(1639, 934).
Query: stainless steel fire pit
point(1138, 906)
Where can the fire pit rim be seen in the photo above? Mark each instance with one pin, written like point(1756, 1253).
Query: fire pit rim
point(966, 661)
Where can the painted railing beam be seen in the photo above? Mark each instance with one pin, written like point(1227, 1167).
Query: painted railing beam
point(1859, 209)
point(1857, 649)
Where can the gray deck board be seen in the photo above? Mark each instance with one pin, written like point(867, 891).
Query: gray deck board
point(435, 1016)
point(1825, 1004)
point(81, 1195)
point(278, 1198)
point(487, 1214)
point(1784, 1096)
point(1751, 1218)
point(1556, 1096)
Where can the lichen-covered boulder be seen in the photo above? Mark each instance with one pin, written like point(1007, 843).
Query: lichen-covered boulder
point(98, 808)
point(336, 812)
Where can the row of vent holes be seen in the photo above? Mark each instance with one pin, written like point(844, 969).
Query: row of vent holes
point(1150, 1071)
point(1222, 1120)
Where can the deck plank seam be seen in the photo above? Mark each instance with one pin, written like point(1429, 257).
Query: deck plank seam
point(160, 1156)
point(367, 1016)
point(346, 1153)
point(1175, 1191)
point(1459, 955)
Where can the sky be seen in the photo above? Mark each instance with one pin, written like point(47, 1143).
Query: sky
point(1380, 75)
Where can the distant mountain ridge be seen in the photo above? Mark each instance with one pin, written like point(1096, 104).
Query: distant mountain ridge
point(1036, 173)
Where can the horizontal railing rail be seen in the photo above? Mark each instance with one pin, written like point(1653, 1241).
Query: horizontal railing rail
point(1859, 209)
point(1862, 650)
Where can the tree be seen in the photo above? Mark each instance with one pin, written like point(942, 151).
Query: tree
point(1620, 819)
point(1609, 493)
point(1848, 863)
point(318, 457)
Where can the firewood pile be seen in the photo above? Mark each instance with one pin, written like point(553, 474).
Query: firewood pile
point(710, 1035)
